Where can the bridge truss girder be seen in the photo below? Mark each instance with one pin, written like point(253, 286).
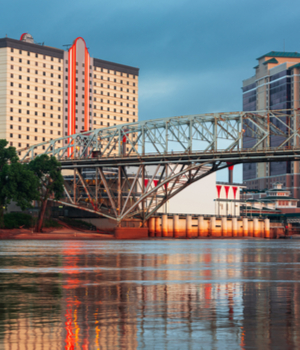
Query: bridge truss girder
point(124, 192)
point(179, 150)
point(214, 132)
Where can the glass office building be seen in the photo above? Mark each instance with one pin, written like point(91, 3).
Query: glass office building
point(274, 86)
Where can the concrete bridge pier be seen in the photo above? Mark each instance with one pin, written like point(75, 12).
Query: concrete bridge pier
point(176, 226)
point(152, 227)
point(245, 227)
point(250, 228)
point(224, 227)
point(165, 225)
point(212, 228)
point(234, 227)
point(202, 227)
point(267, 229)
point(256, 228)
point(158, 227)
point(189, 233)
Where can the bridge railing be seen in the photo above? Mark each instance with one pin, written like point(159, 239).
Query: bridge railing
point(207, 133)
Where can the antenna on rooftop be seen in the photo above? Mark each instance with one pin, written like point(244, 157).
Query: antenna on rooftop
point(67, 46)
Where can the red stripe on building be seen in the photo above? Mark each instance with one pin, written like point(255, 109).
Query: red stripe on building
point(22, 36)
point(87, 91)
point(219, 190)
point(70, 71)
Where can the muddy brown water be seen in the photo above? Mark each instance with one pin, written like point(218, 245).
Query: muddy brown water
point(164, 294)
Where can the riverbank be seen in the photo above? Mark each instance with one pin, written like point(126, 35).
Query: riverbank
point(61, 233)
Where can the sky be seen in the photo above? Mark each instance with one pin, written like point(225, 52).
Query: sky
point(192, 54)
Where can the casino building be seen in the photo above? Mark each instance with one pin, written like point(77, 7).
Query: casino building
point(47, 93)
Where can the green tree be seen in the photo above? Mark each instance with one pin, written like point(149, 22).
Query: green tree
point(47, 170)
point(17, 182)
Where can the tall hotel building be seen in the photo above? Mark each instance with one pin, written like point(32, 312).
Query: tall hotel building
point(47, 93)
point(274, 86)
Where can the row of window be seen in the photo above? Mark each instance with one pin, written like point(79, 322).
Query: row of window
point(114, 87)
point(20, 145)
point(35, 96)
point(35, 71)
point(103, 70)
point(36, 55)
point(101, 116)
point(36, 64)
point(35, 113)
point(286, 203)
point(108, 94)
point(28, 121)
point(108, 109)
point(59, 61)
point(115, 103)
point(36, 81)
point(35, 105)
point(27, 137)
point(35, 89)
point(32, 129)
point(108, 101)
point(115, 80)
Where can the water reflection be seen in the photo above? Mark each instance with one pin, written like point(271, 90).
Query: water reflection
point(152, 294)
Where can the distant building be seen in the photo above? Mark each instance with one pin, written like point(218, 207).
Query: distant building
point(274, 86)
point(228, 199)
point(47, 93)
point(273, 201)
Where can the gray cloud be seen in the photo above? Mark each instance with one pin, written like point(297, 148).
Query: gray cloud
point(192, 55)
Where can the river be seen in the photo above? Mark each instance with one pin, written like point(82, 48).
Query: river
point(156, 294)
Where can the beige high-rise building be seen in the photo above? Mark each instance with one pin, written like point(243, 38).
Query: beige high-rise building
point(274, 86)
point(47, 93)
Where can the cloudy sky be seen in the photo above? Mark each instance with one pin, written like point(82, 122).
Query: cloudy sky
point(192, 55)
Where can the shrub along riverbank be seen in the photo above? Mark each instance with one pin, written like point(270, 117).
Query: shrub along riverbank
point(23, 220)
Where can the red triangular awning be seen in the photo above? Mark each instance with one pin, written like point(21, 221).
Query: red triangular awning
point(227, 190)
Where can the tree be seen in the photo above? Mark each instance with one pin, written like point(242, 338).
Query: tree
point(17, 182)
point(47, 170)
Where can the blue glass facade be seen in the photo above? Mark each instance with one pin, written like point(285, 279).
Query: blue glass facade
point(249, 104)
point(280, 98)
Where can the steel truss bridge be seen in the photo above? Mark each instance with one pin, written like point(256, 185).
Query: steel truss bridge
point(131, 170)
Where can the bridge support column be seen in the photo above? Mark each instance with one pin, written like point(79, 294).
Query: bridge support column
point(189, 226)
point(224, 226)
point(267, 229)
point(250, 228)
point(176, 226)
point(151, 227)
point(212, 227)
point(202, 230)
point(256, 228)
point(165, 225)
point(170, 227)
point(234, 227)
point(245, 227)
point(158, 227)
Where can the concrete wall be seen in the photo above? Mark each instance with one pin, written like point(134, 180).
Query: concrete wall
point(197, 198)
point(194, 227)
